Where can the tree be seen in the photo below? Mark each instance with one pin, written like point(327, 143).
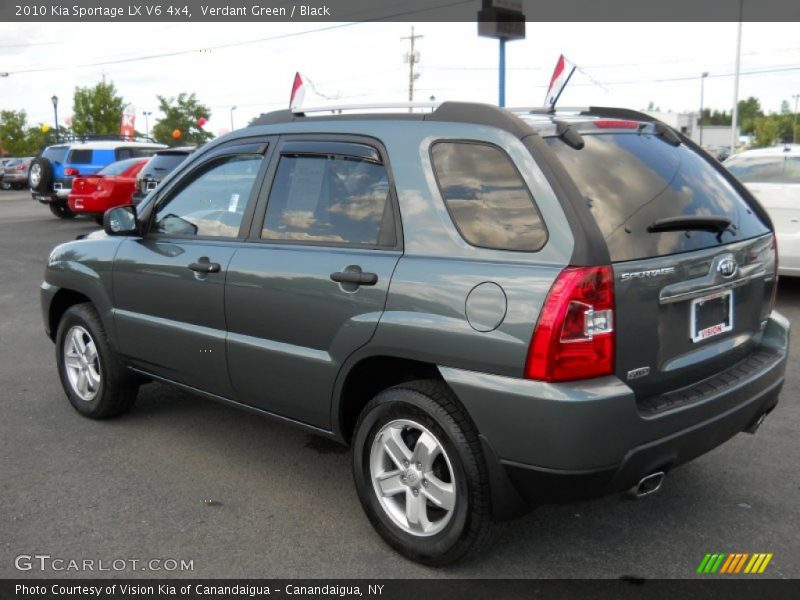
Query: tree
point(181, 114)
point(767, 131)
point(14, 140)
point(749, 112)
point(97, 110)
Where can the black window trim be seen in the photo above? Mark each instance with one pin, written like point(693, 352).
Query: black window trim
point(288, 139)
point(522, 179)
point(195, 170)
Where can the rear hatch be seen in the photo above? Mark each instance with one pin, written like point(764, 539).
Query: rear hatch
point(694, 264)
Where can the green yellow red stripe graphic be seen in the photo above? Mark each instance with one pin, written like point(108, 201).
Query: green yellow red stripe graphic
point(735, 562)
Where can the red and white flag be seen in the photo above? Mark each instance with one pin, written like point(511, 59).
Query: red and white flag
point(127, 122)
point(563, 71)
point(298, 93)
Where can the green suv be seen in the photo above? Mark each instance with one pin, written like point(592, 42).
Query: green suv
point(493, 309)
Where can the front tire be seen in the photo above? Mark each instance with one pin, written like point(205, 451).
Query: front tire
point(60, 209)
point(95, 381)
point(420, 473)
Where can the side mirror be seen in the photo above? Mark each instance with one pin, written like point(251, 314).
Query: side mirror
point(121, 220)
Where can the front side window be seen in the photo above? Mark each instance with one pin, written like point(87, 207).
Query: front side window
point(213, 202)
point(486, 196)
point(325, 198)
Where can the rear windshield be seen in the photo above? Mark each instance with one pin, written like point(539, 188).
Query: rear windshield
point(119, 167)
point(162, 164)
point(630, 180)
point(765, 169)
point(55, 154)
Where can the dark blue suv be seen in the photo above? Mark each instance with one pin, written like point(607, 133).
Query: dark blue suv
point(52, 172)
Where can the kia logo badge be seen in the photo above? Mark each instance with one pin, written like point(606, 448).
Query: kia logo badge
point(727, 267)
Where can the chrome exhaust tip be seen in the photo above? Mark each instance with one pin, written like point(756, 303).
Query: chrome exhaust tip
point(647, 485)
point(753, 427)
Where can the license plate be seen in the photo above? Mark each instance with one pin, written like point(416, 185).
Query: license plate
point(711, 315)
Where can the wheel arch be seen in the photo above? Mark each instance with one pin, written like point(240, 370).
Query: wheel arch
point(363, 376)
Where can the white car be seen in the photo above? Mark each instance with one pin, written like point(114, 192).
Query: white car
point(773, 176)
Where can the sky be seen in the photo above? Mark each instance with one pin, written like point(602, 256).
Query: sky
point(251, 65)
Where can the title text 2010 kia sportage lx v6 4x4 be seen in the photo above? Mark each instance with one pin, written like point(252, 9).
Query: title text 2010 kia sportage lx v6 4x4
point(493, 310)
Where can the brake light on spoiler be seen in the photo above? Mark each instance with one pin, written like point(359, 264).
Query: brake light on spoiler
point(574, 336)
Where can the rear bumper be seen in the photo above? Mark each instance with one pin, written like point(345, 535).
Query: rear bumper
point(569, 442)
point(90, 204)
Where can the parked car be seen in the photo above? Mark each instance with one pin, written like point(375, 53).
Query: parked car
point(111, 186)
point(161, 164)
point(492, 311)
point(14, 174)
point(773, 176)
point(52, 172)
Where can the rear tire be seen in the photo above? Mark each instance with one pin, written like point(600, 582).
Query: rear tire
point(94, 379)
point(432, 510)
point(5, 186)
point(60, 209)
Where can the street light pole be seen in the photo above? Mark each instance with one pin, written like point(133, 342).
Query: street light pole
point(702, 90)
point(147, 114)
point(54, 100)
point(233, 108)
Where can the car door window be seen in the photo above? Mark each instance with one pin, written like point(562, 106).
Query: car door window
point(213, 202)
point(330, 199)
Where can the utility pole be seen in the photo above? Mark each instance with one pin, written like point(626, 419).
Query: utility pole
point(735, 119)
point(412, 60)
point(702, 90)
point(794, 129)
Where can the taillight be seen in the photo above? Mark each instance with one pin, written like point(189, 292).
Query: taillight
point(71, 172)
point(21, 167)
point(574, 336)
point(774, 297)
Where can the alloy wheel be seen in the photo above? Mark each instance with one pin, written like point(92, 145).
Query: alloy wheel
point(413, 477)
point(82, 363)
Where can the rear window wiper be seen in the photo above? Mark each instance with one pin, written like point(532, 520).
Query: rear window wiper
point(713, 223)
point(663, 131)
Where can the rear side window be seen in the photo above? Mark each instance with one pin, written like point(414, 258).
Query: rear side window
point(333, 199)
point(630, 180)
point(765, 169)
point(162, 164)
point(486, 197)
point(80, 157)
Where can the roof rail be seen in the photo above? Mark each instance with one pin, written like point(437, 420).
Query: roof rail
point(458, 112)
point(589, 111)
point(96, 137)
point(338, 109)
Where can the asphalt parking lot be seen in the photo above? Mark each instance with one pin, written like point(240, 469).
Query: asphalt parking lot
point(185, 478)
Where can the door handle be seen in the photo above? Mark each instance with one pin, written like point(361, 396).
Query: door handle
point(355, 277)
point(203, 265)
